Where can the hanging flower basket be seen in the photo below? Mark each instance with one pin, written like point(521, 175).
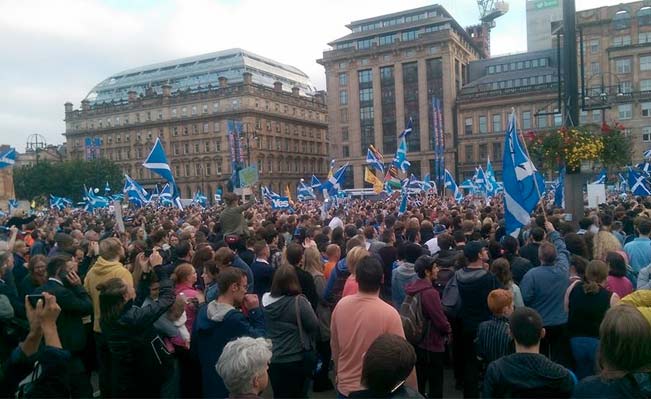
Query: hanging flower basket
point(607, 146)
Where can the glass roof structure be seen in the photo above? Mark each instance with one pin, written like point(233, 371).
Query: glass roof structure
point(200, 71)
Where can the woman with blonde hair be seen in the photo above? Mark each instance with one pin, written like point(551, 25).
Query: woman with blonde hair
point(588, 303)
point(604, 242)
point(352, 259)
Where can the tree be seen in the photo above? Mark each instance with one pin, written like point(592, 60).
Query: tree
point(66, 179)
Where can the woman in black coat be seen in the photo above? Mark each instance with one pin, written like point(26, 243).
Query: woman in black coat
point(139, 362)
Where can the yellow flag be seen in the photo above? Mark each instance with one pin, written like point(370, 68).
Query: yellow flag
point(288, 193)
point(370, 177)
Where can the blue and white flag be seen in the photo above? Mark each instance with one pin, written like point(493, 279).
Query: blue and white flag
point(8, 158)
point(601, 179)
point(59, 202)
point(333, 184)
point(559, 189)
point(280, 203)
point(647, 154)
point(644, 167)
point(468, 185)
point(432, 184)
point(373, 161)
point(200, 199)
point(268, 194)
point(94, 201)
point(408, 129)
point(136, 194)
point(166, 196)
point(116, 197)
point(304, 192)
point(480, 179)
point(451, 185)
point(315, 183)
point(400, 160)
point(157, 163)
point(623, 184)
point(107, 188)
point(639, 183)
point(13, 204)
point(522, 181)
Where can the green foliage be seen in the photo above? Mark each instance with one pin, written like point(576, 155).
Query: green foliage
point(66, 179)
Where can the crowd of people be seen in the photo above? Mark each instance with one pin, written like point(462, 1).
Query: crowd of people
point(240, 300)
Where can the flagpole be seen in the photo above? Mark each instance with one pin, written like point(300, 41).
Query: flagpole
point(541, 200)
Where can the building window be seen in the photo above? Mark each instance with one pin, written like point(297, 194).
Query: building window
point(364, 44)
point(470, 156)
point(542, 121)
point(205, 109)
point(623, 65)
point(483, 152)
point(526, 120)
point(645, 85)
point(596, 116)
point(468, 124)
point(619, 41)
point(173, 114)
point(176, 149)
point(622, 20)
point(483, 124)
point(410, 35)
point(497, 123)
point(625, 111)
point(646, 134)
point(184, 111)
point(186, 148)
point(344, 134)
point(583, 117)
point(343, 97)
point(645, 63)
point(345, 151)
point(217, 127)
point(207, 146)
point(644, 37)
point(388, 39)
point(626, 87)
point(646, 109)
point(644, 16)
point(558, 118)
point(595, 68)
point(497, 151)
point(206, 127)
point(343, 79)
point(594, 45)
point(194, 110)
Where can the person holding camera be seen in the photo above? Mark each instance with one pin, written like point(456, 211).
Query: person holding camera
point(64, 283)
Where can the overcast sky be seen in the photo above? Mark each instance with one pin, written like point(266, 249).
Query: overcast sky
point(55, 51)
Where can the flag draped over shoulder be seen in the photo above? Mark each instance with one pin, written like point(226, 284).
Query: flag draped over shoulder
point(522, 181)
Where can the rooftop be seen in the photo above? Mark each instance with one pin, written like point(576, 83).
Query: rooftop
point(200, 71)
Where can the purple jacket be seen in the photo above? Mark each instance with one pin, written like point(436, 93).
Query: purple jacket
point(439, 327)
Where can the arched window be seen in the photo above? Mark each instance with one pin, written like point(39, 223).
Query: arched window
point(622, 20)
point(644, 16)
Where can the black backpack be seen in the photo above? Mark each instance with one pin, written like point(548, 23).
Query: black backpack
point(414, 323)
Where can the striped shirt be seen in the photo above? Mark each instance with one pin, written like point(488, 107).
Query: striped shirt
point(493, 340)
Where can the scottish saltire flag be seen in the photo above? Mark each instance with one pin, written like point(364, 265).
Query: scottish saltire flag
point(639, 183)
point(59, 202)
point(116, 197)
point(601, 179)
point(451, 185)
point(157, 163)
point(405, 194)
point(644, 167)
point(431, 183)
point(333, 184)
point(93, 201)
point(268, 194)
point(13, 204)
point(315, 183)
point(469, 186)
point(647, 154)
point(8, 158)
point(559, 189)
point(373, 161)
point(408, 129)
point(107, 188)
point(135, 192)
point(522, 181)
point(489, 169)
point(304, 192)
point(400, 161)
point(623, 184)
point(200, 199)
point(480, 179)
point(166, 196)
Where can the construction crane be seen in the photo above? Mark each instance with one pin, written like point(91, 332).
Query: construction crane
point(489, 11)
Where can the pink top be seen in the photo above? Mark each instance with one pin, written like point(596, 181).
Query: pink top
point(190, 308)
point(351, 287)
point(357, 321)
point(619, 285)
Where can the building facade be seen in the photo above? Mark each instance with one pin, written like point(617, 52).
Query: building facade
point(617, 69)
point(189, 104)
point(526, 84)
point(540, 15)
point(388, 70)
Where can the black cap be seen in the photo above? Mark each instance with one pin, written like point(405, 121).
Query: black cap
point(423, 263)
point(473, 248)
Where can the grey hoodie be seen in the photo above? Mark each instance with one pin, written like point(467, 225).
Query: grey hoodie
point(282, 327)
point(217, 311)
point(400, 277)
